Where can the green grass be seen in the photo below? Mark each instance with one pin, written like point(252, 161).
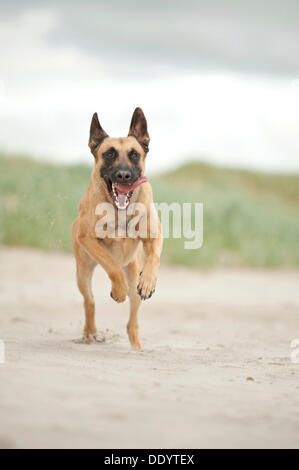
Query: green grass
point(250, 218)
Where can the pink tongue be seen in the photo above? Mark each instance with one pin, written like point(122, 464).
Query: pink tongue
point(125, 188)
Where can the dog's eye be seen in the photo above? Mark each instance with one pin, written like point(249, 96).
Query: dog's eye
point(110, 153)
point(134, 156)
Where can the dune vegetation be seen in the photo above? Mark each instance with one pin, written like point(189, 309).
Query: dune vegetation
point(250, 218)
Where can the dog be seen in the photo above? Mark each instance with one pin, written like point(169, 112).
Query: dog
point(117, 179)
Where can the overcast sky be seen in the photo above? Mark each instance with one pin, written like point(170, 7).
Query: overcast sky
point(217, 80)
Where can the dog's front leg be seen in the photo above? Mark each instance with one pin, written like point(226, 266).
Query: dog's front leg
point(148, 276)
point(119, 288)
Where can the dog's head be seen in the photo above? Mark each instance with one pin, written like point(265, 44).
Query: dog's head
point(120, 162)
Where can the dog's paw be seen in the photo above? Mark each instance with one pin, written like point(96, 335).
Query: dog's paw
point(147, 284)
point(90, 338)
point(119, 291)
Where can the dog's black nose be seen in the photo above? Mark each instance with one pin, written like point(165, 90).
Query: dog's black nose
point(123, 176)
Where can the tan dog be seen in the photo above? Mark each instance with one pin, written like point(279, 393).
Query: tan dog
point(118, 179)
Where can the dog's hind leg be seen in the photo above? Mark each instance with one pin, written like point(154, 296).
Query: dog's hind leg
point(132, 274)
point(85, 267)
point(84, 277)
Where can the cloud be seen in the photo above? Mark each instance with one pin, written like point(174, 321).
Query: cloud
point(52, 82)
point(143, 38)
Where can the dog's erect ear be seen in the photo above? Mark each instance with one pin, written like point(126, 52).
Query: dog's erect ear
point(138, 128)
point(97, 134)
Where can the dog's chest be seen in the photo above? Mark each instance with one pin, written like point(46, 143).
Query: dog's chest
point(121, 250)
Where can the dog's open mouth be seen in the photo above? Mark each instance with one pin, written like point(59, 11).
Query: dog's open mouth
point(122, 193)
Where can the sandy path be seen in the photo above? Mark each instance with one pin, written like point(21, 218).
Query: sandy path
point(204, 334)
